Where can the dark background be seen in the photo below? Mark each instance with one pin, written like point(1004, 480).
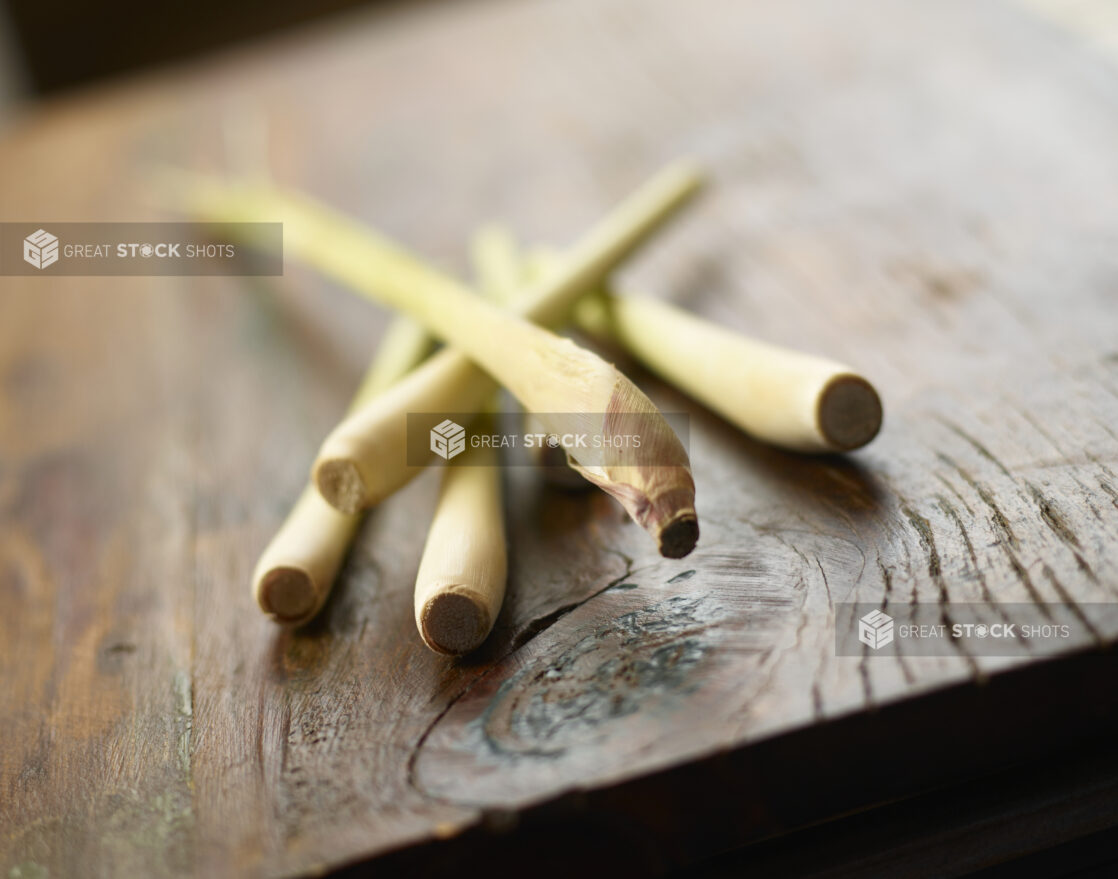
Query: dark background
point(54, 45)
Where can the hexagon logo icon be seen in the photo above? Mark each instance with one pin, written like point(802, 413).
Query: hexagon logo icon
point(40, 249)
point(448, 439)
point(875, 629)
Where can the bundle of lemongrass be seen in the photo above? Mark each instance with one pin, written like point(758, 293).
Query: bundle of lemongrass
point(783, 397)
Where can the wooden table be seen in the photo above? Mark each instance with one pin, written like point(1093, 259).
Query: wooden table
point(928, 191)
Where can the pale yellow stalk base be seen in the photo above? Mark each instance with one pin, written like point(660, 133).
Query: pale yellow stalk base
point(787, 398)
point(364, 459)
point(296, 571)
point(461, 579)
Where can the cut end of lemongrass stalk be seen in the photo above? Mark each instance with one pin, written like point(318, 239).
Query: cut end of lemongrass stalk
point(289, 594)
point(365, 457)
point(848, 412)
point(668, 516)
point(461, 578)
point(341, 485)
point(294, 573)
point(678, 537)
point(454, 622)
point(656, 489)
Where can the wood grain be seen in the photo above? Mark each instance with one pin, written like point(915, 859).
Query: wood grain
point(925, 191)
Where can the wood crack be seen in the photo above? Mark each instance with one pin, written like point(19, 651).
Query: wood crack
point(923, 529)
point(529, 632)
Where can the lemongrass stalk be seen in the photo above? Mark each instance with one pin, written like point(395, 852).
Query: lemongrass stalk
point(780, 396)
point(787, 398)
point(296, 571)
point(461, 580)
point(365, 457)
point(501, 274)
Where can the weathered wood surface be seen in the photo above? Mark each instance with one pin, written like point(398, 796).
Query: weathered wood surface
point(927, 191)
